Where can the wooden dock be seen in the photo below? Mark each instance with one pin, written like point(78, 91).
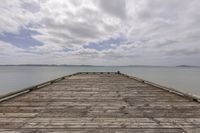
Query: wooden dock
point(99, 103)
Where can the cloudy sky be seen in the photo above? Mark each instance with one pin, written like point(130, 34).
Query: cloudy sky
point(100, 32)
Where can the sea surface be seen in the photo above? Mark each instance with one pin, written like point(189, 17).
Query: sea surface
point(184, 79)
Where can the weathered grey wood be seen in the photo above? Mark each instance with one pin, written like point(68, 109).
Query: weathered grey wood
point(99, 102)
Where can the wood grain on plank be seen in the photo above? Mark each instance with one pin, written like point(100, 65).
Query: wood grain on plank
point(99, 102)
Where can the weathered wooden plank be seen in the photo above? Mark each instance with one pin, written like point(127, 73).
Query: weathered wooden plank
point(99, 102)
point(111, 130)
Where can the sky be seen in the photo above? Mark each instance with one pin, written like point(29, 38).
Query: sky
point(100, 32)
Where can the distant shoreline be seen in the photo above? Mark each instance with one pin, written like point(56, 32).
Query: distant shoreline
point(64, 65)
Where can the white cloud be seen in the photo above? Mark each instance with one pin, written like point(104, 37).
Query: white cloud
point(73, 25)
point(154, 29)
point(9, 49)
point(13, 16)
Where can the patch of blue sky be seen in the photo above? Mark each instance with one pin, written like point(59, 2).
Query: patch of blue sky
point(106, 44)
point(67, 50)
point(22, 39)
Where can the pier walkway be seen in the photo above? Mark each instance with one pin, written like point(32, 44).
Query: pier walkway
point(99, 103)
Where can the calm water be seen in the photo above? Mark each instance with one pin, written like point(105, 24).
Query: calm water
point(13, 78)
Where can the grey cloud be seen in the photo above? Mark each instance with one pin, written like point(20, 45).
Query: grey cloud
point(81, 30)
point(85, 53)
point(118, 55)
point(183, 52)
point(31, 6)
point(84, 30)
point(170, 10)
point(9, 49)
point(74, 28)
point(164, 43)
point(153, 28)
point(114, 7)
point(64, 38)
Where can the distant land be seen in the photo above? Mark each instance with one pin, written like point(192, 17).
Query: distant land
point(42, 65)
point(186, 66)
point(54, 65)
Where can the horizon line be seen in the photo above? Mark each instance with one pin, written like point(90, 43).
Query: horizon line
point(98, 65)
